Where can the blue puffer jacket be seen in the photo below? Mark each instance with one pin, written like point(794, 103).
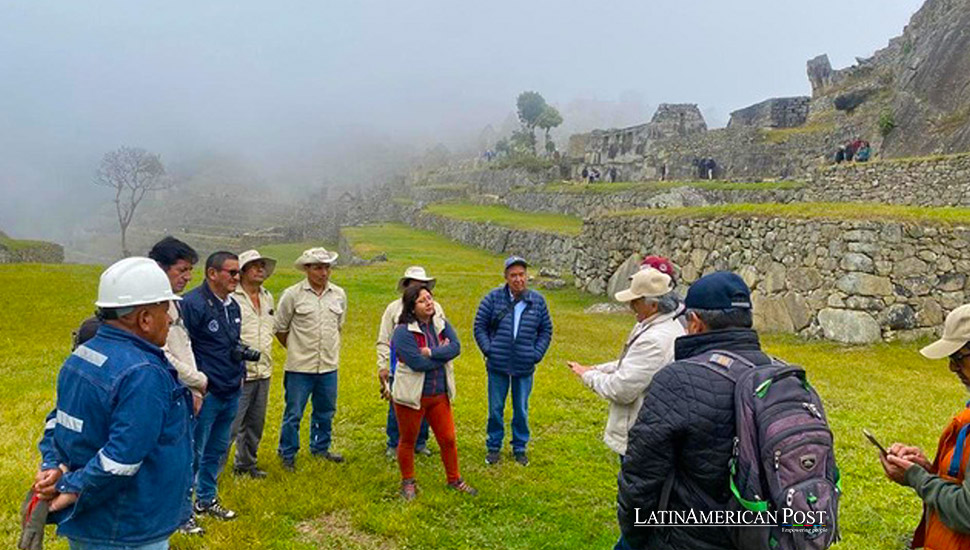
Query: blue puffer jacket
point(503, 353)
point(122, 429)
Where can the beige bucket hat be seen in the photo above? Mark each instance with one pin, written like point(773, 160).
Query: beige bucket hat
point(646, 283)
point(253, 255)
point(318, 255)
point(416, 273)
point(956, 333)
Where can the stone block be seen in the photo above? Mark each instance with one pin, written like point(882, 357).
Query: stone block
point(898, 317)
point(775, 278)
point(908, 267)
point(854, 261)
point(620, 280)
point(865, 285)
point(849, 327)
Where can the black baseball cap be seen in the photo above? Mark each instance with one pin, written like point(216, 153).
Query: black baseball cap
point(719, 290)
point(515, 260)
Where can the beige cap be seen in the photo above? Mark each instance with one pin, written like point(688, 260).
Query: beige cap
point(956, 333)
point(646, 283)
point(253, 255)
point(317, 255)
point(416, 273)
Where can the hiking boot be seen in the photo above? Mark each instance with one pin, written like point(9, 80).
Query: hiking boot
point(191, 527)
point(391, 453)
point(493, 457)
point(522, 458)
point(424, 451)
point(332, 457)
point(289, 464)
point(254, 473)
point(409, 490)
point(215, 510)
point(462, 487)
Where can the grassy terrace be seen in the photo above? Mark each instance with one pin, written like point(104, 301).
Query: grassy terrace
point(19, 244)
point(506, 217)
point(622, 186)
point(564, 499)
point(821, 210)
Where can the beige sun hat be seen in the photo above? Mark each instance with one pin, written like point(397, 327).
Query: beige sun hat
point(253, 255)
point(318, 255)
point(646, 283)
point(956, 333)
point(416, 273)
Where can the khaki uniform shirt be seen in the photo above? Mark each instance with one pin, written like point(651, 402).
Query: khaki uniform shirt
point(388, 322)
point(313, 324)
point(256, 330)
point(178, 350)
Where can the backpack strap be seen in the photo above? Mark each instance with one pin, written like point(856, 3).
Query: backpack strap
point(954, 470)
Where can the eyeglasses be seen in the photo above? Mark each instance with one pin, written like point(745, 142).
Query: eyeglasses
point(231, 272)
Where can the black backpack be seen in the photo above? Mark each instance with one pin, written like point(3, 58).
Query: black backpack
point(783, 460)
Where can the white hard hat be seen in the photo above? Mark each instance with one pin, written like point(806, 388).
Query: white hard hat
point(133, 282)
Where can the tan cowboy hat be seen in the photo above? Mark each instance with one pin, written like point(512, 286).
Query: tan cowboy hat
point(646, 283)
point(415, 273)
point(956, 333)
point(253, 255)
point(317, 255)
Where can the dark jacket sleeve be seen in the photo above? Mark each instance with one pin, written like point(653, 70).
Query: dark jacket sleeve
point(448, 352)
point(406, 348)
point(544, 333)
point(482, 319)
point(950, 500)
point(190, 316)
point(650, 456)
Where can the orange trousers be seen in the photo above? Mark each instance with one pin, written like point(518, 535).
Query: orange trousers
point(437, 409)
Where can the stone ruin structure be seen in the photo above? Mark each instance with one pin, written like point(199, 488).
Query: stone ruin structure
point(781, 112)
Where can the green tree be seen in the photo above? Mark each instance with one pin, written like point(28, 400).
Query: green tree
point(549, 119)
point(530, 106)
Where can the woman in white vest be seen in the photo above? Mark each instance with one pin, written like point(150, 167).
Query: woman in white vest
point(648, 348)
point(424, 386)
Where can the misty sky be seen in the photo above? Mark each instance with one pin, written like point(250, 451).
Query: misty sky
point(281, 84)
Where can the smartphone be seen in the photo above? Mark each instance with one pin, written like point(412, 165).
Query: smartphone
point(872, 439)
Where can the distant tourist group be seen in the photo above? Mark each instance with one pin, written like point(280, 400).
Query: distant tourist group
point(857, 150)
point(159, 385)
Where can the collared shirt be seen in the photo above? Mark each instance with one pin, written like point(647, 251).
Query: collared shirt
point(256, 330)
point(313, 325)
point(516, 314)
point(178, 351)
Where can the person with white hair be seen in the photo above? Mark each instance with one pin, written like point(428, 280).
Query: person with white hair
point(647, 349)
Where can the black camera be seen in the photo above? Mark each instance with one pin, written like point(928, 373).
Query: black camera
point(242, 352)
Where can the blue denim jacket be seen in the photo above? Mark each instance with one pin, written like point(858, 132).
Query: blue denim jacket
point(122, 428)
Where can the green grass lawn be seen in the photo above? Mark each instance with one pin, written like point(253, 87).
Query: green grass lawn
point(572, 187)
point(820, 210)
point(20, 244)
point(564, 499)
point(506, 217)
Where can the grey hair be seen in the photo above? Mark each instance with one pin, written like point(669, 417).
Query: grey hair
point(667, 303)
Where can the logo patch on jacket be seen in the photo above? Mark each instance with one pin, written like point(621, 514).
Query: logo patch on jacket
point(213, 326)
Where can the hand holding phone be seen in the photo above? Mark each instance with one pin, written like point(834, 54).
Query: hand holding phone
point(872, 439)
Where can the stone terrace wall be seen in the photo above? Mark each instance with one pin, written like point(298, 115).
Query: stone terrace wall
point(484, 179)
point(548, 249)
point(849, 281)
point(586, 204)
point(941, 181)
point(45, 253)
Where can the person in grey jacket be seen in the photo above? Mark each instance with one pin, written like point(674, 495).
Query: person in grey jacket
point(649, 347)
point(513, 329)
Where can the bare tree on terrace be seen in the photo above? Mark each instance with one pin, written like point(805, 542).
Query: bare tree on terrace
point(132, 173)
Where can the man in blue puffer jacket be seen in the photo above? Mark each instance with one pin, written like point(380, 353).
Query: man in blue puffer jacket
point(117, 451)
point(513, 329)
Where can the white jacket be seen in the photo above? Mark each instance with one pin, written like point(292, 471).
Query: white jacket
point(624, 382)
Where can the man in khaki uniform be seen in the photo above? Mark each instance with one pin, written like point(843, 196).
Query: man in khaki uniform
point(309, 319)
point(414, 275)
point(256, 331)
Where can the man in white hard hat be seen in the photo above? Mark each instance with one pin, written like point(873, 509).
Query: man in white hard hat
point(256, 306)
point(648, 348)
point(386, 361)
point(309, 319)
point(117, 457)
point(943, 485)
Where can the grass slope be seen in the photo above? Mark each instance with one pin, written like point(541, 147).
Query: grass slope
point(506, 217)
point(564, 499)
point(820, 210)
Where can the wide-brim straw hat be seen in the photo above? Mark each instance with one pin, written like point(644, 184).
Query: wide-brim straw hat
point(956, 334)
point(318, 255)
point(646, 283)
point(253, 255)
point(415, 273)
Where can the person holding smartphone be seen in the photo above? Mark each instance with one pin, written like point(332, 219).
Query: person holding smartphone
point(942, 484)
